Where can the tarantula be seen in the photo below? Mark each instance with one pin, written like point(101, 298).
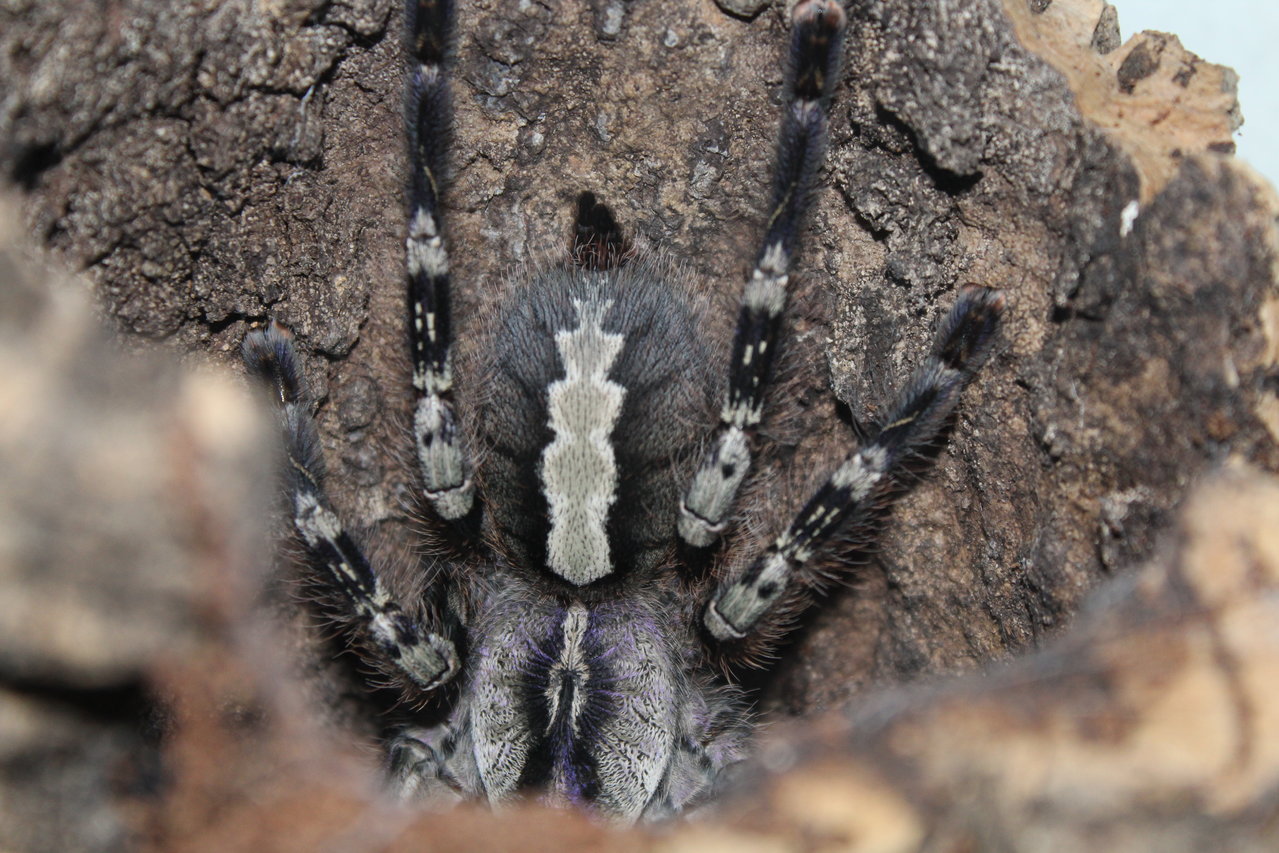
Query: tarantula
point(581, 643)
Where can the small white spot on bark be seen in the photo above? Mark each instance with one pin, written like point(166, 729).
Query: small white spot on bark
point(1128, 216)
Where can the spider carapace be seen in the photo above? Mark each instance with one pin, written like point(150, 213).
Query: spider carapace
point(583, 657)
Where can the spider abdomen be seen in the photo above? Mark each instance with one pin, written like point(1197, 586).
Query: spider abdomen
point(599, 391)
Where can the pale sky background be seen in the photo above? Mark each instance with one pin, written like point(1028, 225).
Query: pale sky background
point(1243, 34)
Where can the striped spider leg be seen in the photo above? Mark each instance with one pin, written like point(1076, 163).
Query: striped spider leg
point(446, 469)
point(868, 475)
point(416, 652)
point(815, 51)
point(405, 649)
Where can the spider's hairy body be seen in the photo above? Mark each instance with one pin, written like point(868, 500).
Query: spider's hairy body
point(591, 630)
point(581, 362)
point(590, 627)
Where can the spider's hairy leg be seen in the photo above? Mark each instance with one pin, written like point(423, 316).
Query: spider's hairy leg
point(446, 469)
point(849, 496)
point(815, 52)
point(424, 763)
point(405, 648)
point(715, 736)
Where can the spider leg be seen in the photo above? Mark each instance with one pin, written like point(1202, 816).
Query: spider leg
point(815, 51)
point(435, 764)
point(740, 604)
point(446, 469)
point(405, 648)
point(712, 737)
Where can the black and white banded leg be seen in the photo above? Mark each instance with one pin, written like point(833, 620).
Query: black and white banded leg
point(406, 650)
point(446, 469)
point(851, 494)
point(815, 52)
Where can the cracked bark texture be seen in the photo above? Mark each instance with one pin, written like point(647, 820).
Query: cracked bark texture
point(208, 165)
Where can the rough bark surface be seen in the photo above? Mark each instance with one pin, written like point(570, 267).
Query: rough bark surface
point(208, 165)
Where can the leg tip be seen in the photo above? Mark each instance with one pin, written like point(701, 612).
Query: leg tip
point(268, 354)
point(816, 48)
point(981, 298)
point(965, 337)
point(826, 15)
